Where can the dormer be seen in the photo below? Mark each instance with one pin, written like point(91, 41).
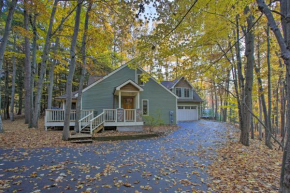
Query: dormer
point(182, 88)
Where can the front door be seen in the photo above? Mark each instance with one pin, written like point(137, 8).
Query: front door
point(128, 102)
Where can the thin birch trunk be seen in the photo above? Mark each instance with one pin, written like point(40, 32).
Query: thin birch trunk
point(82, 78)
point(13, 82)
point(66, 133)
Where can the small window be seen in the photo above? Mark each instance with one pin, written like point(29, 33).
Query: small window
point(180, 107)
point(187, 107)
point(178, 92)
point(145, 107)
point(140, 82)
point(193, 107)
point(186, 92)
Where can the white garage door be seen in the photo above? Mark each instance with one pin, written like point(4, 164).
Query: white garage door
point(187, 113)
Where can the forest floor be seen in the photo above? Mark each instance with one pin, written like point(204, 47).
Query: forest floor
point(246, 169)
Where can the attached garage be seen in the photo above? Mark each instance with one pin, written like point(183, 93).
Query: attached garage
point(187, 113)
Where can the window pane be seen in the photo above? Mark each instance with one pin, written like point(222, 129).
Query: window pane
point(187, 107)
point(186, 92)
point(180, 107)
point(193, 107)
point(178, 92)
point(140, 82)
point(145, 107)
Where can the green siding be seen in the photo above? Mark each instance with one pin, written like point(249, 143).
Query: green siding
point(160, 100)
point(101, 95)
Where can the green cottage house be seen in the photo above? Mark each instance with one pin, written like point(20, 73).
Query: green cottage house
point(122, 100)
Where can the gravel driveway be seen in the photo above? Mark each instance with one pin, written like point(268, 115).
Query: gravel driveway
point(173, 163)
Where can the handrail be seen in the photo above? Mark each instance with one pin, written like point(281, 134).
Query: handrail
point(86, 120)
point(96, 122)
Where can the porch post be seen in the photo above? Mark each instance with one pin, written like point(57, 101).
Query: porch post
point(138, 100)
point(119, 99)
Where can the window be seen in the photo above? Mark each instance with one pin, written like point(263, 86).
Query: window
point(145, 107)
point(140, 82)
point(187, 107)
point(178, 92)
point(180, 107)
point(186, 92)
point(193, 107)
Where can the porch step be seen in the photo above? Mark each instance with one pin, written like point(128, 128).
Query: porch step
point(82, 141)
point(80, 136)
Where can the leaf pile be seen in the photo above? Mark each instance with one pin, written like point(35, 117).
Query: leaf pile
point(246, 169)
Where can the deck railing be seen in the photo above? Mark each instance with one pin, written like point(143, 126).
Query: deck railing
point(57, 115)
point(130, 115)
point(110, 115)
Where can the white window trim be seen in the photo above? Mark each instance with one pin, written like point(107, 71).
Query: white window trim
point(180, 91)
point(188, 92)
point(138, 80)
point(147, 106)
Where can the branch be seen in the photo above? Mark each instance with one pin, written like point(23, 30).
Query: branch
point(64, 19)
point(276, 140)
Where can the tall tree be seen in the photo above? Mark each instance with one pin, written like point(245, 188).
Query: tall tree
point(36, 109)
point(13, 81)
point(82, 78)
point(4, 43)
point(67, 112)
point(284, 44)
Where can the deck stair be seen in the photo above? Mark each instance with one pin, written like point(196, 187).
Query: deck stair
point(81, 138)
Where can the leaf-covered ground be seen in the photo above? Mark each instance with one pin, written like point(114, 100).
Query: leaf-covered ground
point(245, 169)
point(173, 163)
point(17, 135)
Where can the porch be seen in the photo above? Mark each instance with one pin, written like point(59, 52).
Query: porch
point(109, 117)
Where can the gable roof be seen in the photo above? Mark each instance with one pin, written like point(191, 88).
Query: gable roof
point(170, 85)
point(129, 82)
point(120, 68)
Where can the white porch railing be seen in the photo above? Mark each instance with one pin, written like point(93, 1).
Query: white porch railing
point(85, 121)
point(57, 115)
point(110, 115)
point(96, 122)
point(130, 115)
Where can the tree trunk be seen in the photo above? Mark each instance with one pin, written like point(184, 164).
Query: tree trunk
point(13, 82)
point(268, 135)
point(6, 95)
point(27, 79)
point(20, 88)
point(33, 69)
point(82, 78)
point(284, 44)
point(51, 76)
point(247, 97)
point(4, 43)
point(260, 117)
point(66, 133)
point(43, 68)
